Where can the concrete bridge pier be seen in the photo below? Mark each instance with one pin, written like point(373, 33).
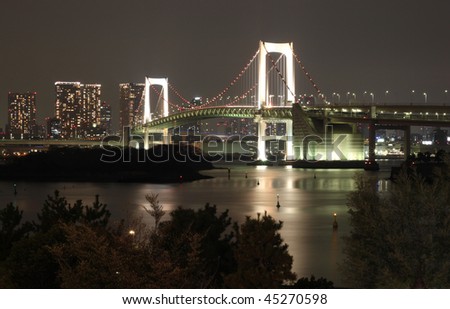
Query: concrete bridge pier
point(407, 141)
point(166, 137)
point(372, 130)
point(289, 140)
point(261, 138)
point(146, 139)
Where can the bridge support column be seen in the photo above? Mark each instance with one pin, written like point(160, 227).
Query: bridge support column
point(373, 112)
point(407, 141)
point(165, 137)
point(372, 141)
point(261, 140)
point(289, 141)
point(146, 139)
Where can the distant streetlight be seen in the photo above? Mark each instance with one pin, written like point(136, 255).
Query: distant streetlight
point(386, 95)
point(349, 98)
point(412, 95)
point(338, 96)
point(372, 96)
point(425, 96)
point(446, 95)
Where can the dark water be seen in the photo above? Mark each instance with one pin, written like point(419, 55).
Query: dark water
point(307, 205)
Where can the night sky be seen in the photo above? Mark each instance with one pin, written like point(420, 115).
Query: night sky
point(200, 45)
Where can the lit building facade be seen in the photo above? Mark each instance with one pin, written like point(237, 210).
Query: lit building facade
point(131, 105)
point(105, 117)
point(89, 115)
point(78, 108)
point(68, 97)
point(21, 115)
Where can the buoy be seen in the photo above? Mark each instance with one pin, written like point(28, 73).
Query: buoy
point(278, 201)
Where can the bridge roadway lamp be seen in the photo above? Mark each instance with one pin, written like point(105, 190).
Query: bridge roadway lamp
point(337, 95)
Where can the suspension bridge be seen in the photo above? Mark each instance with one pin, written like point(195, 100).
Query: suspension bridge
point(265, 91)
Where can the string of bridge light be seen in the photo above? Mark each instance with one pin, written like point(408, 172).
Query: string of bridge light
point(319, 92)
point(231, 84)
point(242, 96)
point(179, 95)
point(234, 81)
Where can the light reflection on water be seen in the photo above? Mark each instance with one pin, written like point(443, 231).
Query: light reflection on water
point(307, 205)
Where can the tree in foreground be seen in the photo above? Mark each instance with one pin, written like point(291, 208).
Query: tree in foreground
point(11, 228)
point(156, 209)
point(202, 233)
point(312, 283)
point(29, 263)
point(92, 258)
point(174, 256)
point(74, 246)
point(402, 239)
point(57, 209)
point(262, 258)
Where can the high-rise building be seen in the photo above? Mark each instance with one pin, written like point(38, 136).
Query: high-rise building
point(21, 114)
point(68, 97)
point(131, 104)
point(78, 109)
point(90, 110)
point(105, 117)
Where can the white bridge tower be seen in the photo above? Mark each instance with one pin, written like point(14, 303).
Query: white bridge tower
point(149, 82)
point(287, 50)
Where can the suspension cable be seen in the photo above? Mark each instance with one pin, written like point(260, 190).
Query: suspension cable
point(319, 92)
point(177, 93)
point(233, 82)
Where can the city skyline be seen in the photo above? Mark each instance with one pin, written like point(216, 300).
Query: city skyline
point(200, 46)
